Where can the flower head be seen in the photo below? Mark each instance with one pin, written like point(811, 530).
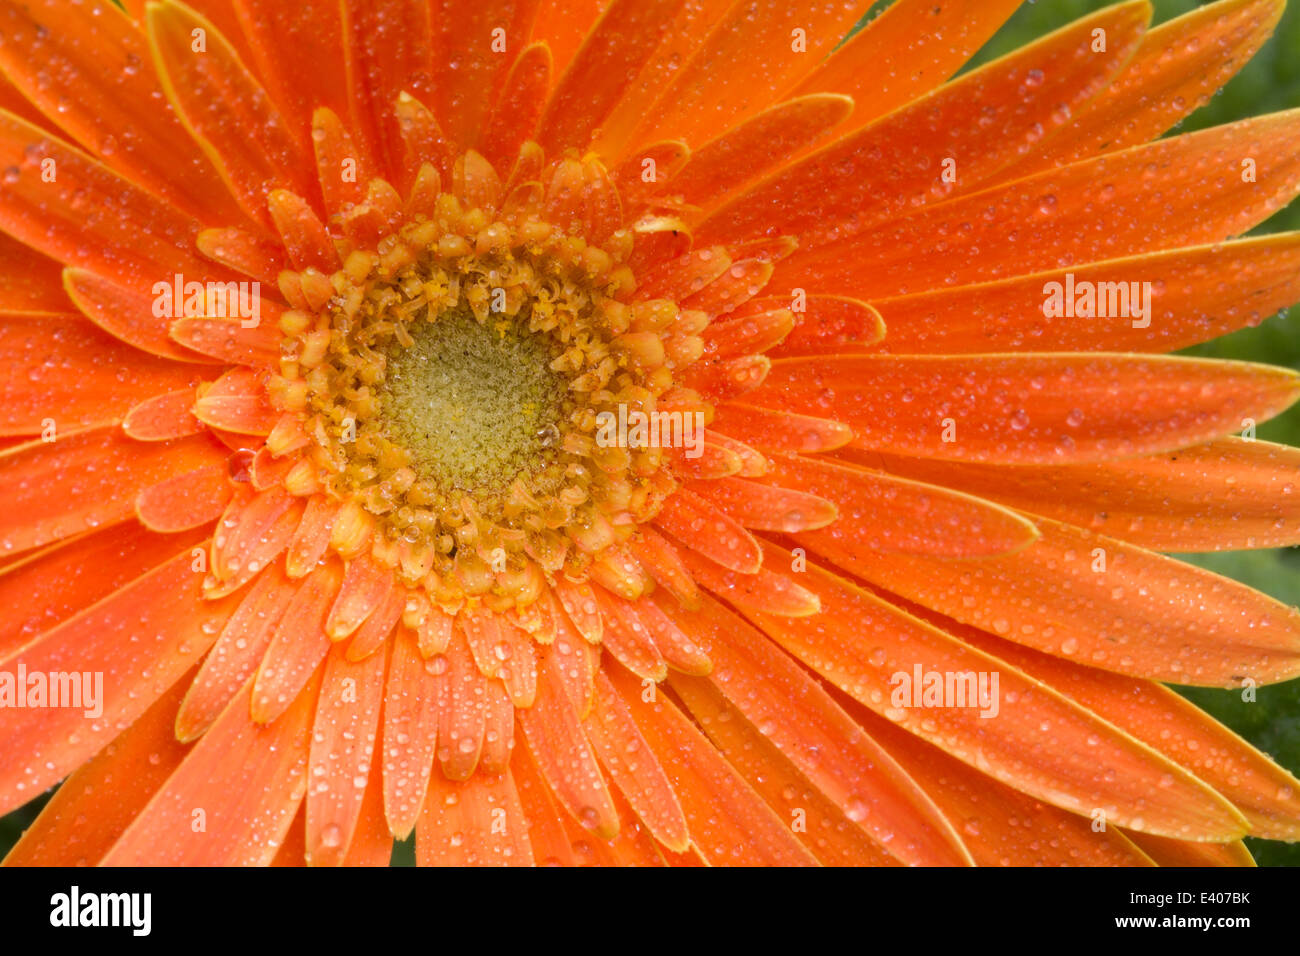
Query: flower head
point(634, 432)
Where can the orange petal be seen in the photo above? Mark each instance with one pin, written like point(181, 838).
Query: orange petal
point(341, 165)
point(434, 629)
point(86, 480)
point(1177, 68)
point(185, 501)
point(1029, 409)
point(237, 652)
point(766, 507)
point(503, 651)
point(746, 333)
point(474, 822)
point(266, 471)
point(474, 178)
point(633, 769)
point(577, 660)
point(163, 417)
point(970, 121)
point(378, 626)
point(386, 46)
point(519, 107)
point(563, 754)
point(252, 533)
point(1048, 221)
point(579, 602)
point(664, 563)
point(470, 34)
point(297, 50)
point(1077, 594)
point(365, 589)
point(758, 146)
point(742, 280)
point(498, 730)
point(1195, 295)
point(714, 462)
point(682, 276)
point(905, 52)
point(88, 68)
point(297, 647)
point(764, 591)
point(1267, 796)
point(581, 197)
point(707, 530)
point(111, 789)
point(729, 823)
point(222, 13)
point(462, 720)
point(141, 639)
point(32, 282)
point(1223, 495)
point(225, 108)
point(306, 239)
point(723, 379)
point(752, 464)
point(237, 402)
point(342, 750)
point(657, 238)
point(887, 514)
point(89, 217)
point(819, 824)
point(410, 735)
point(689, 26)
point(47, 587)
point(127, 314)
point(64, 369)
point(1027, 735)
point(372, 844)
point(780, 431)
point(312, 536)
point(424, 145)
point(677, 648)
point(754, 53)
point(628, 640)
point(631, 846)
point(247, 779)
point(563, 24)
point(825, 324)
point(293, 848)
point(994, 819)
point(1167, 852)
point(613, 52)
point(801, 719)
point(254, 254)
point(545, 817)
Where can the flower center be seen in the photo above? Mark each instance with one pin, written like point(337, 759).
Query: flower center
point(475, 404)
point(451, 381)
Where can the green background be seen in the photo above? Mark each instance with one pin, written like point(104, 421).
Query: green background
point(1270, 82)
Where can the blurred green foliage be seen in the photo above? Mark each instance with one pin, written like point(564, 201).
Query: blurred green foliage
point(1270, 82)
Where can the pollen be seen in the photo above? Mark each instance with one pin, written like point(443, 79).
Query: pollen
point(475, 404)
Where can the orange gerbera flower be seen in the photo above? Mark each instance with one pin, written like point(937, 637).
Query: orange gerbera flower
point(477, 419)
